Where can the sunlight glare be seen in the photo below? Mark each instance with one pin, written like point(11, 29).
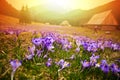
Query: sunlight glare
point(57, 5)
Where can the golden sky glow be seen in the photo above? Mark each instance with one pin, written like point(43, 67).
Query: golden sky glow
point(66, 4)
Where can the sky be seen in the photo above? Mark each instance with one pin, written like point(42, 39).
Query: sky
point(66, 4)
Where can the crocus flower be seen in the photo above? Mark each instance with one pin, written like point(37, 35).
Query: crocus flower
point(107, 43)
point(102, 47)
point(93, 59)
point(15, 64)
point(92, 47)
point(103, 62)
point(31, 50)
point(31, 53)
point(39, 52)
point(85, 45)
point(50, 47)
point(63, 64)
point(115, 46)
point(37, 41)
point(114, 68)
point(49, 40)
point(89, 48)
point(104, 66)
point(66, 45)
point(66, 64)
point(48, 43)
point(85, 64)
point(49, 62)
point(29, 56)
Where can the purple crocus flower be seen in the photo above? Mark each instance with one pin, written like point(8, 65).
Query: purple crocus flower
point(89, 48)
point(100, 44)
point(63, 64)
point(103, 62)
point(48, 43)
point(31, 50)
point(29, 56)
point(114, 68)
point(49, 62)
point(115, 46)
point(93, 59)
point(39, 52)
point(37, 41)
point(66, 64)
point(50, 47)
point(15, 64)
point(105, 68)
point(107, 43)
point(85, 64)
point(31, 53)
point(85, 45)
point(102, 47)
point(66, 45)
point(92, 47)
point(49, 40)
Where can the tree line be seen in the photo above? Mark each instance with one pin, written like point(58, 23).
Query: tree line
point(24, 17)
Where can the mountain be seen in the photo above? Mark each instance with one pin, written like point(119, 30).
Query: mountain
point(78, 17)
point(48, 15)
point(42, 13)
point(7, 9)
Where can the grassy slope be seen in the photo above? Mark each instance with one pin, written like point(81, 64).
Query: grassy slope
point(8, 19)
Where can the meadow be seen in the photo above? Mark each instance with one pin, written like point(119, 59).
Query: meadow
point(58, 53)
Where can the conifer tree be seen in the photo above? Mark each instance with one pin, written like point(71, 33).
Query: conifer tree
point(24, 17)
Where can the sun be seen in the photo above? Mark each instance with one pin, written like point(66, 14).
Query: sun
point(57, 2)
point(58, 5)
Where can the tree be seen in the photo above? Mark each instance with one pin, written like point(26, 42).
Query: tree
point(25, 17)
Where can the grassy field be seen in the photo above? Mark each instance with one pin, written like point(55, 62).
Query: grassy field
point(85, 31)
point(15, 46)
